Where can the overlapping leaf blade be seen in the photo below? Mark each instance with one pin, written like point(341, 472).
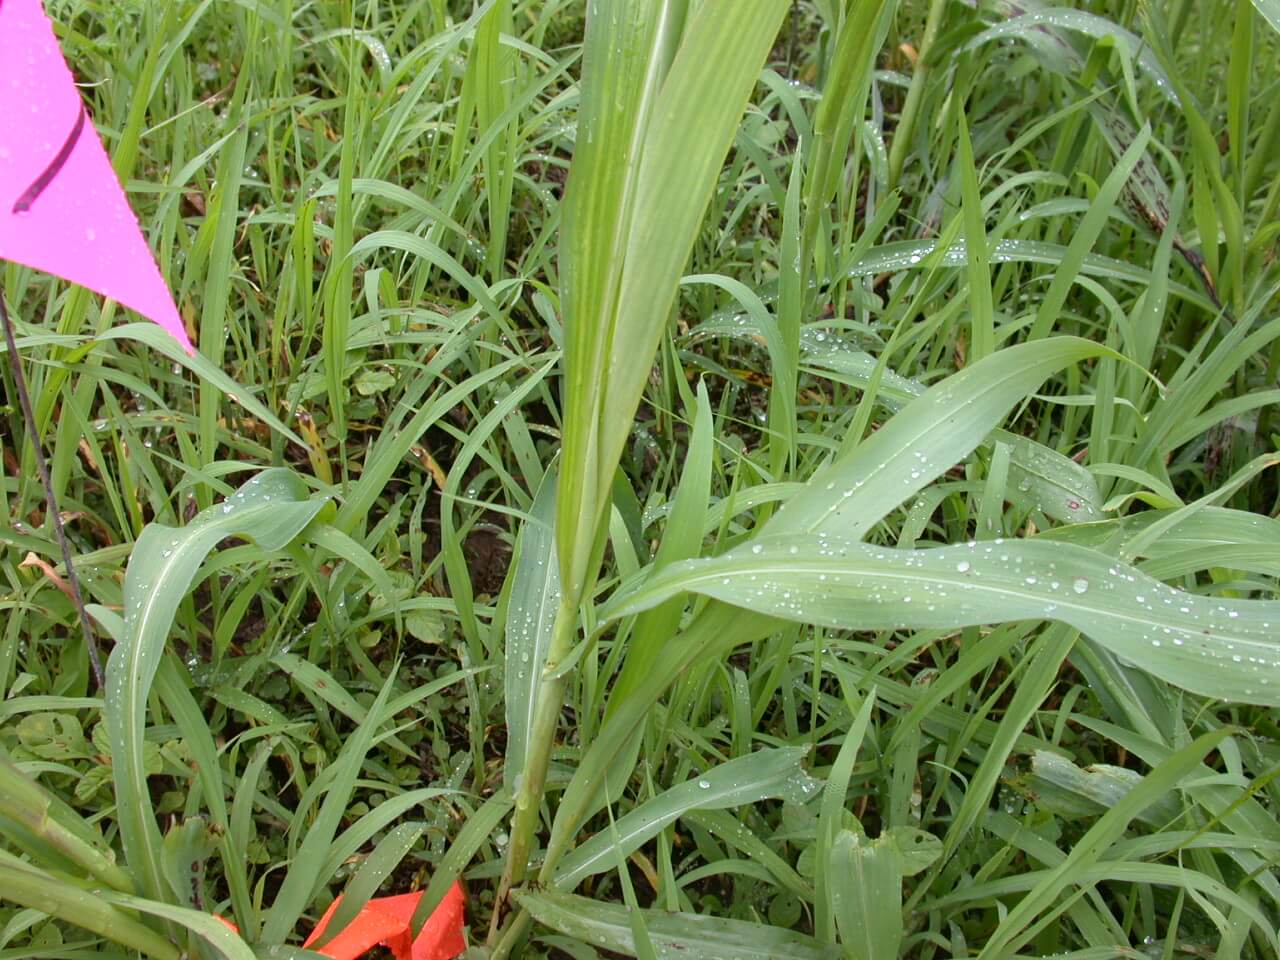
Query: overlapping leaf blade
point(1222, 648)
point(941, 427)
point(272, 509)
point(673, 935)
point(747, 779)
point(531, 614)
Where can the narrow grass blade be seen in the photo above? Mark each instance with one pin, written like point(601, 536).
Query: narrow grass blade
point(831, 815)
point(1038, 672)
point(207, 927)
point(756, 776)
point(982, 337)
point(158, 340)
point(902, 255)
point(1086, 235)
point(474, 833)
point(682, 539)
point(26, 803)
point(304, 875)
point(844, 97)
point(1095, 843)
point(377, 866)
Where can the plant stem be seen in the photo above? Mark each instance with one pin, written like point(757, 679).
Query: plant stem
point(513, 931)
point(533, 777)
point(911, 107)
point(51, 502)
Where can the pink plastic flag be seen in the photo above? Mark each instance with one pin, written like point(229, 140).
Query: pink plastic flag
point(61, 207)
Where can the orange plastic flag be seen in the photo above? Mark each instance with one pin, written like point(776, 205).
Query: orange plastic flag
point(61, 207)
point(386, 921)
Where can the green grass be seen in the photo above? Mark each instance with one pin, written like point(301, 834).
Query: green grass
point(724, 479)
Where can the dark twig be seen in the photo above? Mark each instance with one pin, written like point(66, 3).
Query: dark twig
point(20, 385)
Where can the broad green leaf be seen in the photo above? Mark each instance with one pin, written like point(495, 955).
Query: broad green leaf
point(626, 54)
point(675, 936)
point(183, 853)
point(715, 70)
point(531, 615)
point(1042, 478)
point(1074, 792)
point(767, 773)
point(932, 433)
point(1222, 648)
point(866, 892)
point(271, 509)
point(917, 849)
point(1270, 10)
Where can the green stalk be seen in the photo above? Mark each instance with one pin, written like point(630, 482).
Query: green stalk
point(533, 777)
point(911, 107)
point(516, 929)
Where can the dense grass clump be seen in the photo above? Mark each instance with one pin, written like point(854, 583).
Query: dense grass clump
point(733, 478)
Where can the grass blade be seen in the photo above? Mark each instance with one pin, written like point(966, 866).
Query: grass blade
point(1095, 843)
point(272, 509)
point(531, 615)
point(27, 886)
point(1221, 648)
point(924, 440)
point(304, 875)
point(866, 888)
point(673, 935)
point(766, 773)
